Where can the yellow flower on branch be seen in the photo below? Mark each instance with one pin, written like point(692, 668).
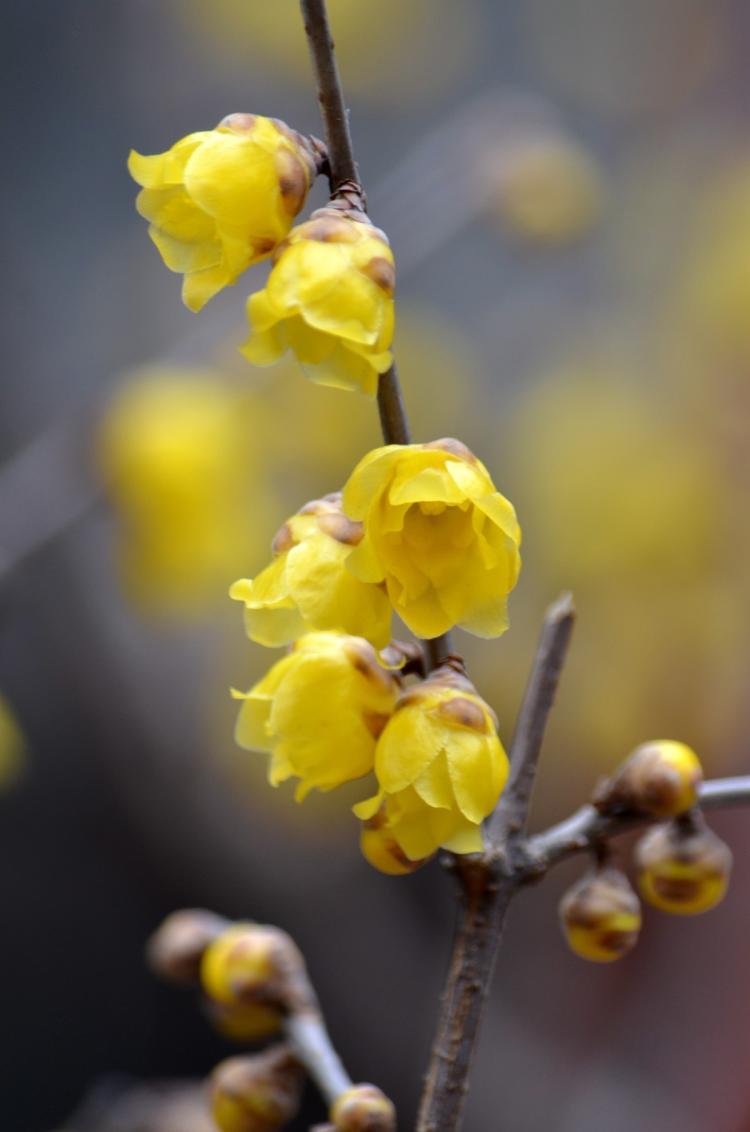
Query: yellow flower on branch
point(220, 200)
point(319, 712)
point(328, 299)
point(308, 587)
point(440, 766)
point(439, 534)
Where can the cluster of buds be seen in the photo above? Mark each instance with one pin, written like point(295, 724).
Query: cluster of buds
point(254, 982)
point(682, 866)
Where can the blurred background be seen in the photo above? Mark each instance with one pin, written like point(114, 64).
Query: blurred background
point(567, 191)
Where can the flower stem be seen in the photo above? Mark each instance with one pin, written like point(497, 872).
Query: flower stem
point(343, 168)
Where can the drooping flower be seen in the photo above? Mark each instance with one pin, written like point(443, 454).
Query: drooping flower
point(440, 767)
point(328, 299)
point(683, 867)
point(319, 711)
point(307, 586)
point(601, 916)
point(220, 200)
point(438, 533)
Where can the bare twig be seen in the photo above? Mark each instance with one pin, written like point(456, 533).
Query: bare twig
point(587, 827)
point(508, 822)
point(393, 419)
point(312, 1046)
point(488, 885)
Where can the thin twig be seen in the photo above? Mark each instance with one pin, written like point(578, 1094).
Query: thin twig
point(586, 827)
point(509, 819)
point(488, 885)
point(312, 1046)
point(393, 418)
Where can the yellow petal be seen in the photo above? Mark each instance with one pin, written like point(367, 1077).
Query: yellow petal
point(200, 286)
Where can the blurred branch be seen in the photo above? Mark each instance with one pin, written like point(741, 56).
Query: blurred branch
point(44, 489)
point(393, 419)
point(488, 884)
point(312, 1047)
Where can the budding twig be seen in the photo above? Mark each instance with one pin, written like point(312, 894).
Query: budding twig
point(393, 419)
point(587, 826)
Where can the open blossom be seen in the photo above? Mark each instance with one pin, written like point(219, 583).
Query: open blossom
point(440, 767)
point(319, 712)
point(438, 533)
point(221, 199)
point(328, 299)
point(307, 585)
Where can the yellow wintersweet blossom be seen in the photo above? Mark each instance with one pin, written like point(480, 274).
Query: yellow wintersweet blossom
point(319, 712)
point(440, 767)
point(328, 299)
point(221, 199)
point(439, 534)
point(12, 745)
point(173, 450)
point(308, 587)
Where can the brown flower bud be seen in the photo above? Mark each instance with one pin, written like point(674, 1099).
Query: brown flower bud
point(363, 1108)
point(176, 948)
point(254, 964)
point(683, 867)
point(660, 778)
point(258, 1093)
point(601, 916)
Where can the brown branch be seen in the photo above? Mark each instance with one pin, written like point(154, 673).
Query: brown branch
point(587, 827)
point(508, 823)
point(343, 171)
point(488, 885)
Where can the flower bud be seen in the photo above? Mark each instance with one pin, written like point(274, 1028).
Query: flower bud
point(176, 948)
point(683, 867)
point(440, 767)
point(257, 1093)
point(319, 712)
point(363, 1108)
point(220, 200)
point(601, 916)
point(243, 1022)
point(438, 534)
point(328, 299)
point(381, 849)
point(251, 964)
point(307, 586)
point(660, 778)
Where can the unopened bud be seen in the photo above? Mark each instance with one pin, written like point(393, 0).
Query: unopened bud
point(660, 778)
point(601, 916)
point(380, 848)
point(176, 948)
point(363, 1108)
point(251, 964)
point(683, 868)
point(258, 1093)
point(247, 1022)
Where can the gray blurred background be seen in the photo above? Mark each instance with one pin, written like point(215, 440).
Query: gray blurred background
point(567, 191)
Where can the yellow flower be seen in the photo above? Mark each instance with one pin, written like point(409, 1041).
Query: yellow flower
point(221, 199)
point(174, 453)
point(439, 534)
point(329, 299)
point(308, 587)
point(440, 768)
point(319, 712)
